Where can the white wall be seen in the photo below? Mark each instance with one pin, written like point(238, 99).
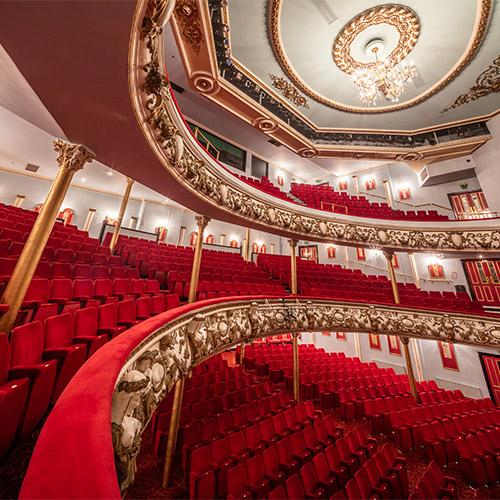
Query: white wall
point(486, 160)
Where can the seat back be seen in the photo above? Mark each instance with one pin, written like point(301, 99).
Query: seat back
point(4, 358)
point(26, 344)
point(59, 331)
point(86, 322)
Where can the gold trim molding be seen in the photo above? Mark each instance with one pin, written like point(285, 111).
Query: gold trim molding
point(488, 82)
point(191, 167)
point(289, 91)
point(480, 27)
point(172, 351)
point(402, 18)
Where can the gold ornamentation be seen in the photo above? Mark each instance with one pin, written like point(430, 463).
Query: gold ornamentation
point(265, 125)
point(488, 82)
point(186, 12)
point(72, 156)
point(482, 18)
point(205, 83)
point(173, 350)
point(289, 91)
point(188, 165)
point(402, 18)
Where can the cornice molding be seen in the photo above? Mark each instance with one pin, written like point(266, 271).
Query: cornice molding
point(175, 146)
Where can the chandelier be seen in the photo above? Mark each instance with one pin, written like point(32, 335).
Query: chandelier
point(383, 78)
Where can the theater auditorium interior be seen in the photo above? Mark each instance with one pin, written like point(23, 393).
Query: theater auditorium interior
point(249, 249)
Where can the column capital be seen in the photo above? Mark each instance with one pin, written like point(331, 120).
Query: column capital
point(292, 243)
point(405, 340)
point(72, 156)
point(130, 181)
point(389, 254)
point(202, 221)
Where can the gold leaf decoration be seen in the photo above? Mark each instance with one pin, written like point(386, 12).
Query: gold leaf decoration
point(289, 91)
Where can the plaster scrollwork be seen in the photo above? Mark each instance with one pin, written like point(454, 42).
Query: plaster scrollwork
point(190, 166)
point(172, 351)
point(72, 156)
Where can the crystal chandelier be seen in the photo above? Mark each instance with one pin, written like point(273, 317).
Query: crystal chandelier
point(383, 78)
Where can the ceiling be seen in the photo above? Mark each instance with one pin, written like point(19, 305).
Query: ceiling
point(305, 32)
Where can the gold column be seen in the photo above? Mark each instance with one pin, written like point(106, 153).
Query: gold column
point(271, 248)
point(392, 276)
point(242, 352)
point(346, 249)
point(71, 158)
point(414, 270)
point(89, 219)
point(293, 266)
point(121, 213)
point(356, 184)
point(388, 192)
point(19, 200)
point(296, 384)
point(246, 245)
point(409, 368)
point(173, 430)
point(202, 222)
point(222, 239)
point(404, 340)
point(182, 234)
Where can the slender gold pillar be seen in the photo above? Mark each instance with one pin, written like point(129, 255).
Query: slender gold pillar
point(246, 245)
point(182, 234)
point(414, 270)
point(19, 200)
point(293, 266)
point(296, 382)
point(89, 219)
point(173, 430)
point(356, 184)
point(121, 213)
point(242, 352)
point(346, 250)
point(388, 192)
point(404, 340)
point(392, 276)
point(71, 158)
point(409, 368)
point(222, 239)
point(202, 222)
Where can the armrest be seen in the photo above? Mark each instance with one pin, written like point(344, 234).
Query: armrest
point(84, 340)
point(29, 371)
point(56, 353)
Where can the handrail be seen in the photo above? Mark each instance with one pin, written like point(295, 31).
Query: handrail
point(170, 138)
point(413, 205)
point(198, 132)
point(92, 424)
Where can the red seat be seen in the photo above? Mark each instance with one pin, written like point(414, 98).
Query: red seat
point(237, 483)
point(103, 288)
point(86, 330)
point(256, 473)
point(202, 476)
point(37, 293)
point(27, 360)
point(157, 304)
point(108, 320)
point(61, 270)
point(126, 313)
point(59, 345)
point(13, 396)
point(61, 292)
point(325, 477)
point(272, 466)
point(82, 271)
point(83, 292)
point(143, 308)
point(312, 488)
point(121, 288)
point(294, 488)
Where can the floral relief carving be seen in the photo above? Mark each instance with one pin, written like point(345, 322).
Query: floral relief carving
point(289, 91)
point(169, 353)
point(187, 163)
point(488, 82)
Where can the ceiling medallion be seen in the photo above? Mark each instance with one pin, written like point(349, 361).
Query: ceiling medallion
point(274, 32)
point(402, 18)
point(488, 82)
point(265, 125)
point(289, 91)
point(204, 83)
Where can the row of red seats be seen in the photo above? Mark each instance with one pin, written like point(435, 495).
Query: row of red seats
point(265, 185)
point(438, 436)
point(56, 269)
point(382, 476)
point(434, 484)
point(324, 197)
point(404, 423)
point(480, 457)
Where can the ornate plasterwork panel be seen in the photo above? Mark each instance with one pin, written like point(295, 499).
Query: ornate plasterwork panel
point(488, 82)
point(170, 352)
point(192, 167)
point(401, 17)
